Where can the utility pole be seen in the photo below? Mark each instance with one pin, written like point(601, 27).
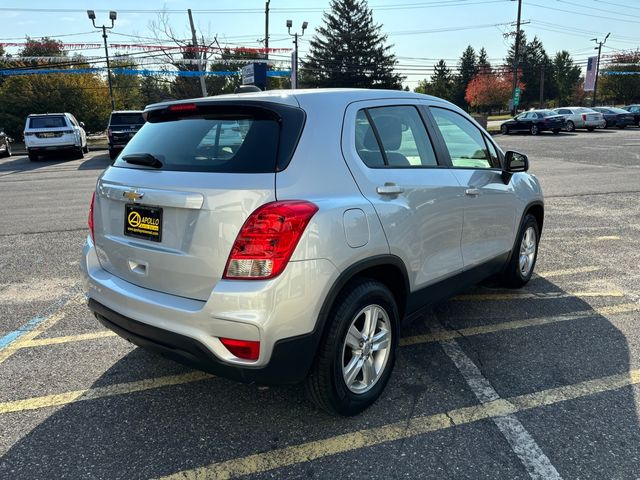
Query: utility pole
point(294, 60)
point(266, 30)
point(515, 58)
point(112, 16)
point(203, 85)
point(542, 86)
point(595, 84)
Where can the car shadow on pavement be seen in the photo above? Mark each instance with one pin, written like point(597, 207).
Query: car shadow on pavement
point(23, 164)
point(160, 431)
point(97, 162)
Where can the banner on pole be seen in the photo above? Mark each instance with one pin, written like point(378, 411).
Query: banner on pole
point(590, 78)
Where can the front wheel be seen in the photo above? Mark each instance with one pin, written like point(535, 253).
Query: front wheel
point(356, 357)
point(570, 126)
point(524, 255)
point(556, 131)
point(504, 130)
point(534, 130)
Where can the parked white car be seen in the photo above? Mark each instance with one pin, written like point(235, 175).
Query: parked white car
point(581, 117)
point(52, 132)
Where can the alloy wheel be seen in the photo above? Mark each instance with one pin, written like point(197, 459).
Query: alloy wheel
point(527, 251)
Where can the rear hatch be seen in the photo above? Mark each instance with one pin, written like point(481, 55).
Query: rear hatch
point(170, 227)
point(51, 130)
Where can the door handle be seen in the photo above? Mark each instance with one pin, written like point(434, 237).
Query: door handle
point(472, 192)
point(389, 189)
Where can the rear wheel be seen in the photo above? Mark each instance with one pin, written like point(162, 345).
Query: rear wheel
point(523, 258)
point(86, 148)
point(556, 130)
point(622, 127)
point(534, 130)
point(7, 152)
point(32, 156)
point(504, 130)
point(79, 153)
point(112, 154)
point(570, 126)
point(357, 354)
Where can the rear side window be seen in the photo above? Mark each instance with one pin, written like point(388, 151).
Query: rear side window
point(393, 137)
point(217, 139)
point(564, 111)
point(126, 119)
point(47, 122)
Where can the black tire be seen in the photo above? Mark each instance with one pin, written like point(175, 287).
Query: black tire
point(556, 131)
point(570, 126)
point(622, 127)
point(512, 276)
point(325, 384)
point(534, 129)
point(591, 129)
point(113, 154)
point(86, 148)
point(7, 152)
point(504, 130)
point(79, 153)
point(33, 157)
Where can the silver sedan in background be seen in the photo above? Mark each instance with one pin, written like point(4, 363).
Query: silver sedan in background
point(581, 117)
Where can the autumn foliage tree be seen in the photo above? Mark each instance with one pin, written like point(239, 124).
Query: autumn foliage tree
point(489, 91)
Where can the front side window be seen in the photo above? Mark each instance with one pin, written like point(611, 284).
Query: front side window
point(464, 141)
point(393, 137)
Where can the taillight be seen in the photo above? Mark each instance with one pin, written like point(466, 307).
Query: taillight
point(267, 240)
point(183, 107)
point(584, 116)
point(246, 349)
point(90, 221)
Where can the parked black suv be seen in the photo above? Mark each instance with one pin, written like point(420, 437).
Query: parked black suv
point(123, 125)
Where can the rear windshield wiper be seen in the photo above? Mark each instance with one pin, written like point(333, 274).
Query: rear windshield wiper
point(143, 159)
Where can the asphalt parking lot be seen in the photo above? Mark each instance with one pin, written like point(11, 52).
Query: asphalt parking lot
point(542, 382)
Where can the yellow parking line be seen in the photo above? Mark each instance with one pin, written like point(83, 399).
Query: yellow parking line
point(568, 271)
point(124, 388)
point(521, 296)
point(262, 462)
point(100, 392)
point(39, 342)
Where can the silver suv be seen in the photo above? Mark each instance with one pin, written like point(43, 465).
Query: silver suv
point(283, 236)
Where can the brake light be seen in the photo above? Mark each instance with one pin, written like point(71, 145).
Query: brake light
point(183, 107)
point(90, 222)
point(584, 116)
point(246, 349)
point(267, 240)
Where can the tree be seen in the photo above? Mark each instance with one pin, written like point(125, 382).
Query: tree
point(488, 91)
point(567, 76)
point(153, 89)
point(126, 87)
point(620, 78)
point(533, 62)
point(349, 50)
point(467, 69)
point(483, 61)
point(44, 47)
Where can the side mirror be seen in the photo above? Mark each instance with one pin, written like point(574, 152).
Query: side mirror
point(515, 162)
point(81, 124)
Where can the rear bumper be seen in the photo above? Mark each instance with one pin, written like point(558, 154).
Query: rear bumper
point(288, 364)
point(280, 313)
point(51, 148)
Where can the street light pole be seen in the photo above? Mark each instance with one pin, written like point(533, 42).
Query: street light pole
point(595, 84)
point(294, 66)
point(112, 16)
point(515, 60)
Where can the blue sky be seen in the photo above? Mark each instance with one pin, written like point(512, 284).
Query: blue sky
point(422, 31)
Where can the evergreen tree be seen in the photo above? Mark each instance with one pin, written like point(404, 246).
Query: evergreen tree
point(441, 84)
point(349, 50)
point(533, 61)
point(484, 66)
point(467, 69)
point(567, 76)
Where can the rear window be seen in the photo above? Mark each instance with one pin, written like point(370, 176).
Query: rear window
point(235, 139)
point(126, 119)
point(47, 122)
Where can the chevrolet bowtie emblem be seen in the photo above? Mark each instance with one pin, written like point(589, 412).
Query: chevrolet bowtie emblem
point(133, 195)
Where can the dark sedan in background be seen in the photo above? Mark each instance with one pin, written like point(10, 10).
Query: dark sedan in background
point(5, 144)
point(615, 117)
point(635, 111)
point(534, 122)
